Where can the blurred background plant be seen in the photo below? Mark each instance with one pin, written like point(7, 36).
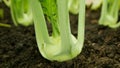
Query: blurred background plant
point(94, 4)
point(20, 12)
point(110, 13)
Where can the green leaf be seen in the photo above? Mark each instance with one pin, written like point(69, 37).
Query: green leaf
point(50, 10)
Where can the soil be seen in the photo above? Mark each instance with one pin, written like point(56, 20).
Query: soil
point(18, 47)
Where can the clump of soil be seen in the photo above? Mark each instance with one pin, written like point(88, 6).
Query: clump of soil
point(18, 47)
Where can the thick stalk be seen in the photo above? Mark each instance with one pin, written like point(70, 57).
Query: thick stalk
point(103, 12)
point(115, 9)
point(39, 21)
point(13, 13)
point(63, 19)
point(81, 24)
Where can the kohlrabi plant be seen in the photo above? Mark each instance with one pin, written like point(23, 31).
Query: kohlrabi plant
point(20, 11)
point(62, 45)
point(109, 13)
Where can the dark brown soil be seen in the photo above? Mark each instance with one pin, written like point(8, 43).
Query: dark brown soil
point(18, 47)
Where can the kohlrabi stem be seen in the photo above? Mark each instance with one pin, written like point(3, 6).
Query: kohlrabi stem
point(77, 48)
point(39, 22)
point(63, 19)
point(103, 12)
point(12, 12)
point(81, 25)
point(17, 10)
point(115, 9)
